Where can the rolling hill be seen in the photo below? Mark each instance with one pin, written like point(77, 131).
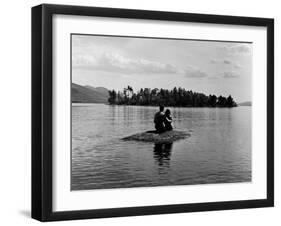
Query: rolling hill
point(103, 91)
point(88, 94)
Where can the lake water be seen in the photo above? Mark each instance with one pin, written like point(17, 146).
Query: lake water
point(218, 150)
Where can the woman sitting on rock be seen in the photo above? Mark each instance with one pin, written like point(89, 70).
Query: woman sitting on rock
point(168, 120)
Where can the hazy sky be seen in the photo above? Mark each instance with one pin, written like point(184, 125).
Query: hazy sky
point(221, 68)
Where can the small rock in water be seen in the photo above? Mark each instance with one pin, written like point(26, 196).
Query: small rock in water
point(152, 136)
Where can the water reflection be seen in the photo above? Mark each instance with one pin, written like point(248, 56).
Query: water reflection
point(162, 153)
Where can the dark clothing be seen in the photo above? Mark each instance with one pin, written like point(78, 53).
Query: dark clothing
point(159, 119)
point(168, 123)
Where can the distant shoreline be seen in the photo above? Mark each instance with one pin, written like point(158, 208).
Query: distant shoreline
point(157, 105)
point(177, 97)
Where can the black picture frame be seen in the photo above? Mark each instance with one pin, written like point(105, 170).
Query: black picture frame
point(42, 107)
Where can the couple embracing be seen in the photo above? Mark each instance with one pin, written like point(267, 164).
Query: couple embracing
point(163, 121)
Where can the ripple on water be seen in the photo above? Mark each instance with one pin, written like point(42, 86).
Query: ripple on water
point(218, 150)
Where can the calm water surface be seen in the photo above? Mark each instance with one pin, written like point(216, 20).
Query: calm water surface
point(218, 150)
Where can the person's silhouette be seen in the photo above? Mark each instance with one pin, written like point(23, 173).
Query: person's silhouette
point(168, 120)
point(159, 119)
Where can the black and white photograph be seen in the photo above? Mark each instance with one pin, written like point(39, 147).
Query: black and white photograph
point(146, 112)
point(149, 111)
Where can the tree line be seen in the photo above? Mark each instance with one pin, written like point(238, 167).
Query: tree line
point(177, 97)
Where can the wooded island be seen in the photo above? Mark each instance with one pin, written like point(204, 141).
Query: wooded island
point(177, 97)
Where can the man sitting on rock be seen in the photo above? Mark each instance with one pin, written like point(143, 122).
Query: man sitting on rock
point(159, 119)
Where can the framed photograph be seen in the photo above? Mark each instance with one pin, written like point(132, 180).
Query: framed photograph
point(145, 112)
